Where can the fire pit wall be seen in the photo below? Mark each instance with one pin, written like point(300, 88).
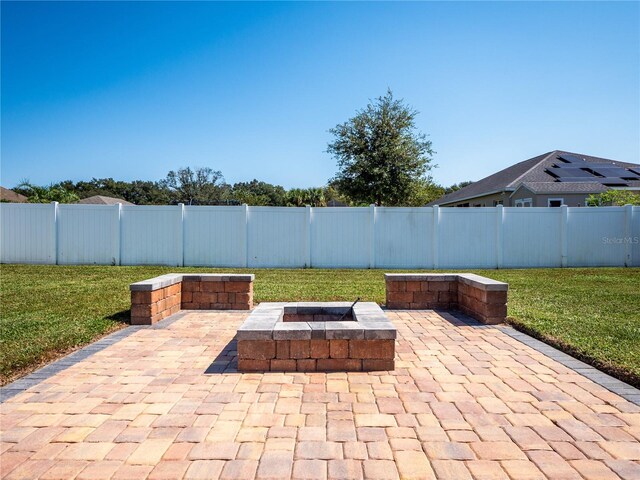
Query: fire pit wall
point(157, 298)
point(316, 337)
point(479, 297)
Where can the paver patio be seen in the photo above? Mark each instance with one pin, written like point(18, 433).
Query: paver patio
point(463, 402)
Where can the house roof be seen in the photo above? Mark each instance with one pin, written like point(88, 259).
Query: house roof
point(533, 170)
point(564, 187)
point(102, 200)
point(11, 196)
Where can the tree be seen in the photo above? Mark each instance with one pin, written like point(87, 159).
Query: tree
point(614, 198)
point(194, 187)
point(259, 193)
point(52, 193)
point(425, 190)
point(457, 186)
point(379, 153)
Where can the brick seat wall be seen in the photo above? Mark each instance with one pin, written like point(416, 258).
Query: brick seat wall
point(479, 297)
point(155, 299)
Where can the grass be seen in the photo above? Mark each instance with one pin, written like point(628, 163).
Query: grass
point(47, 311)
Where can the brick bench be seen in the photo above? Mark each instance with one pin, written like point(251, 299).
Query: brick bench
point(479, 297)
point(157, 298)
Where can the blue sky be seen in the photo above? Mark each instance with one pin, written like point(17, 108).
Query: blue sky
point(133, 90)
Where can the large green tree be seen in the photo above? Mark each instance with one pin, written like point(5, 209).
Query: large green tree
point(381, 156)
point(200, 186)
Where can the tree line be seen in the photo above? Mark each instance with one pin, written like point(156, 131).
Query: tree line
point(382, 159)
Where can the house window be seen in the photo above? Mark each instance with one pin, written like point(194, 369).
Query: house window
point(478, 204)
point(524, 202)
point(462, 205)
point(555, 202)
point(497, 202)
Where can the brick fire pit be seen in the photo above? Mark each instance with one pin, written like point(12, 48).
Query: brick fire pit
point(308, 337)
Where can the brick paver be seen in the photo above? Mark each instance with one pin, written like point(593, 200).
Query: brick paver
point(464, 402)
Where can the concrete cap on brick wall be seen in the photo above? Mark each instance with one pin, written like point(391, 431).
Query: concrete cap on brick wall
point(477, 281)
point(172, 278)
point(420, 277)
point(156, 283)
point(483, 283)
point(218, 277)
point(266, 322)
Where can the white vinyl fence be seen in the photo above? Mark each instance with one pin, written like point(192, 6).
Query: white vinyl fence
point(369, 237)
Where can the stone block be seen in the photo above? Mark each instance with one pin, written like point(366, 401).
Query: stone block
point(240, 287)
point(283, 365)
point(339, 365)
point(248, 365)
point(306, 365)
point(319, 348)
point(257, 349)
point(299, 349)
point(339, 348)
point(214, 287)
point(401, 296)
point(396, 286)
point(375, 364)
point(380, 349)
point(282, 349)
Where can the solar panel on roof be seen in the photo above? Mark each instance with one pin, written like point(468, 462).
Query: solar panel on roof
point(636, 171)
point(562, 172)
point(608, 171)
point(580, 179)
point(571, 158)
point(613, 181)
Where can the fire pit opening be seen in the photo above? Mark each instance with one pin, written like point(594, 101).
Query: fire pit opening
point(318, 314)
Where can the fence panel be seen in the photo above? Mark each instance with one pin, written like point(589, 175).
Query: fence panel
point(532, 237)
point(277, 237)
point(635, 237)
point(467, 238)
point(28, 233)
point(341, 237)
point(595, 237)
point(88, 234)
point(151, 235)
point(410, 238)
point(403, 238)
point(215, 236)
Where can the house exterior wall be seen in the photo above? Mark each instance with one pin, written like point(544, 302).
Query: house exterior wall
point(538, 200)
point(571, 200)
point(542, 200)
point(482, 201)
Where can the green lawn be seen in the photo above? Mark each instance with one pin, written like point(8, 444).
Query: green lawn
point(47, 311)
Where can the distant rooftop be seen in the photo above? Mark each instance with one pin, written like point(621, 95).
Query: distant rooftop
point(7, 195)
point(102, 200)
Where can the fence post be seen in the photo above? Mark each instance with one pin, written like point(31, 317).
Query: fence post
point(307, 258)
point(246, 235)
point(181, 241)
point(372, 235)
point(55, 232)
point(116, 235)
point(628, 240)
point(499, 235)
point(564, 240)
point(434, 236)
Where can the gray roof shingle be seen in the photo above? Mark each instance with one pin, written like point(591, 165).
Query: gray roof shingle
point(565, 187)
